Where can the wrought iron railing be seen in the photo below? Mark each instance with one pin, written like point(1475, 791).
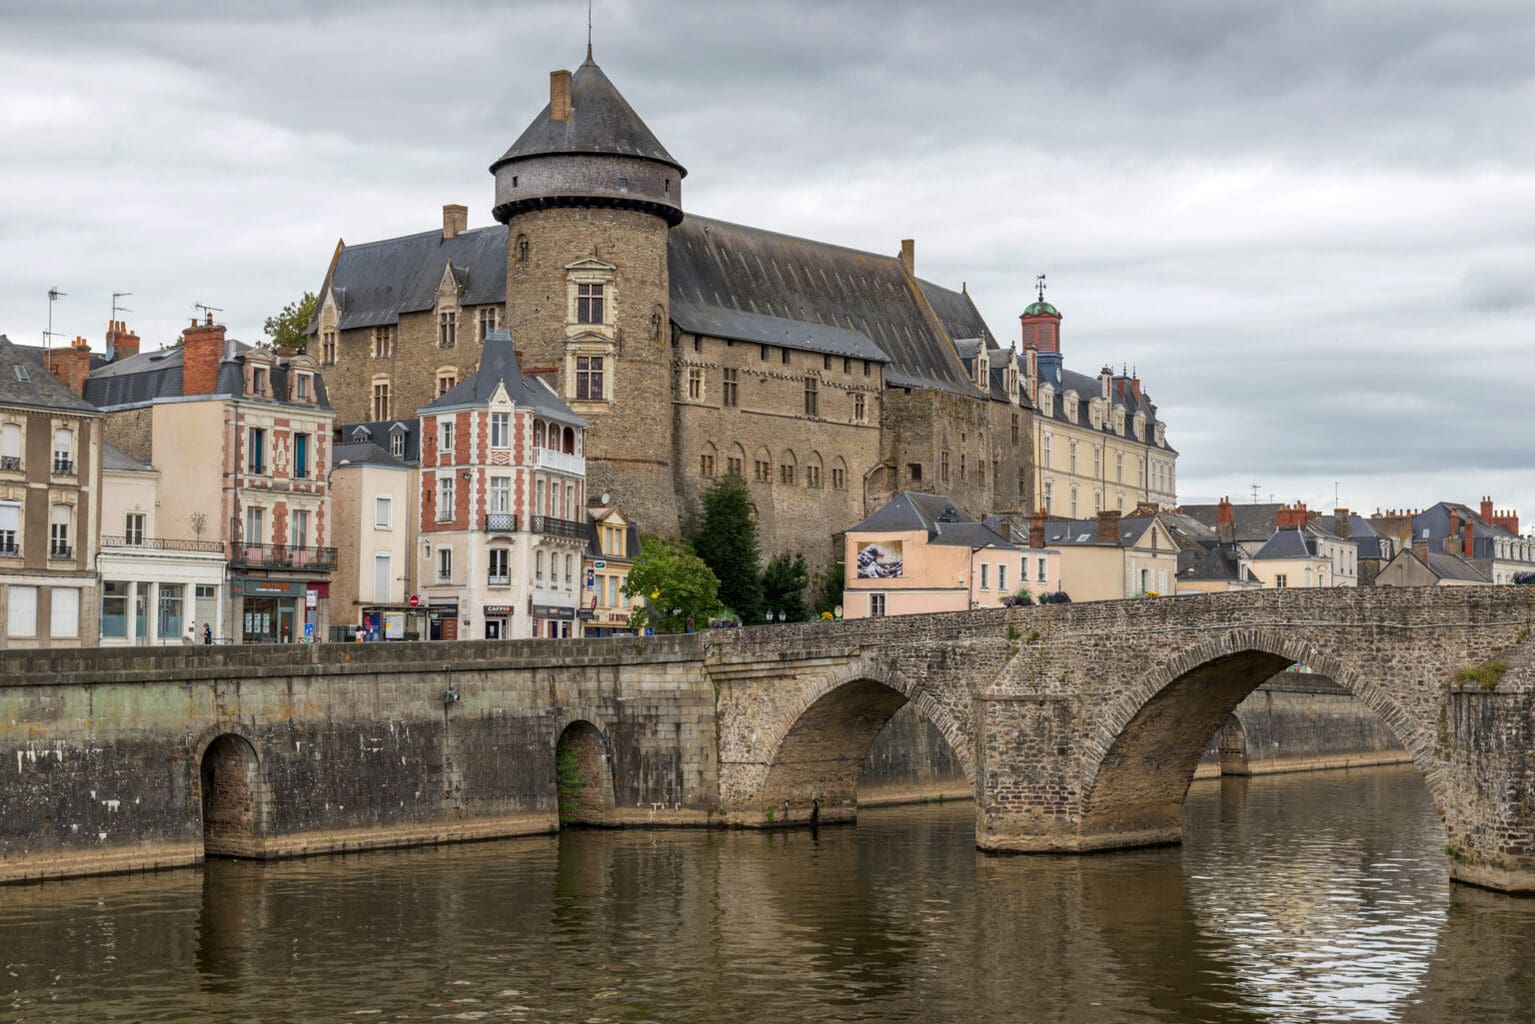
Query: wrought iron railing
point(161, 544)
point(8, 546)
point(549, 526)
point(282, 556)
point(498, 580)
point(500, 522)
point(58, 550)
point(10, 462)
point(63, 465)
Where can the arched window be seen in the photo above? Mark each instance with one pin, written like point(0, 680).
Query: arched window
point(522, 248)
point(839, 474)
point(538, 433)
point(813, 468)
point(569, 446)
point(788, 468)
point(706, 461)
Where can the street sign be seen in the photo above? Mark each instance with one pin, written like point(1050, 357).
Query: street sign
point(415, 600)
point(309, 632)
point(599, 564)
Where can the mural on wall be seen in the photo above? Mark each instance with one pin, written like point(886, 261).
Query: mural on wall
point(880, 561)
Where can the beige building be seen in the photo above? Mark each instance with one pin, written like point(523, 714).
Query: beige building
point(154, 589)
point(1098, 441)
point(1293, 558)
point(50, 506)
point(828, 378)
point(609, 556)
point(1112, 557)
point(374, 497)
point(922, 553)
point(1419, 566)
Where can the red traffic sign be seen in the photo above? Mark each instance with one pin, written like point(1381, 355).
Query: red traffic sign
point(415, 600)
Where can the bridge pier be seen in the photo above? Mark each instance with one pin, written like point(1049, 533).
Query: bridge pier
point(1487, 740)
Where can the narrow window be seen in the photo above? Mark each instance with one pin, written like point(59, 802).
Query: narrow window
point(381, 400)
point(589, 304)
point(812, 399)
point(300, 456)
point(58, 532)
point(445, 498)
point(133, 528)
point(858, 407)
point(500, 430)
point(64, 451)
point(447, 328)
point(589, 377)
point(488, 319)
point(256, 451)
point(444, 563)
point(730, 391)
point(876, 606)
point(695, 384)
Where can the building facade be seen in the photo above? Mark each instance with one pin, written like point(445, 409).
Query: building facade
point(50, 505)
point(829, 378)
point(610, 554)
point(374, 508)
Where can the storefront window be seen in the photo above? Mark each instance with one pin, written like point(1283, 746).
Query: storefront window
point(170, 625)
point(114, 610)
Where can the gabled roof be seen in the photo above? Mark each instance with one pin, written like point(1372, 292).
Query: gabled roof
point(938, 516)
point(726, 267)
point(601, 122)
point(1291, 543)
point(498, 368)
point(1446, 566)
point(1250, 522)
point(382, 433)
point(1062, 380)
point(1216, 566)
point(24, 382)
point(377, 281)
point(594, 538)
point(142, 378)
point(363, 453)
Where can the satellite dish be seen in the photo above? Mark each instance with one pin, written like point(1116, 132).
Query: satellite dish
point(604, 497)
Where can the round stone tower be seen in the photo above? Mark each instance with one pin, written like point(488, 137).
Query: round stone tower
point(588, 196)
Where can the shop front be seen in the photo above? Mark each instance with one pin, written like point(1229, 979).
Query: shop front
point(606, 622)
point(271, 611)
point(556, 621)
point(442, 620)
point(498, 621)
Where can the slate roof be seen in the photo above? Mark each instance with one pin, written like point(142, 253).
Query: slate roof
point(24, 382)
point(1447, 567)
point(738, 325)
point(380, 433)
point(1291, 543)
point(498, 367)
point(1368, 540)
point(38, 355)
point(1087, 388)
point(601, 121)
point(939, 516)
point(377, 281)
point(1084, 532)
point(1250, 522)
point(363, 453)
point(1217, 565)
point(140, 379)
point(120, 461)
point(731, 267)
point(594, 543)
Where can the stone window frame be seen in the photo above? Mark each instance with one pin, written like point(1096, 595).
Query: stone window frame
point(1119, 420)
point(486, 319)
point(445, 380)
point(446, 426)
point(13, 459)
point(813, 468)
point(329, 332)
point(788, 468)
point(1140, 426)
point(384, 336)
point(381, 412)
point(695, 383)
point(587, 346)
point(592, 271)
point(812, 395)
point(839, 474)
point(61, 543)
point(730, 388)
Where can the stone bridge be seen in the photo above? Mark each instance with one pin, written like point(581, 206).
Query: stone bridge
point(1079, 726)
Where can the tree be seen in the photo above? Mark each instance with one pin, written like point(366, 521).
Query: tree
point(783, 586)
point(289, 329)
point(828, 589)
point(727, 542)
point(676, 587)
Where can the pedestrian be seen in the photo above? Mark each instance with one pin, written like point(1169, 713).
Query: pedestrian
point(357, 637)
point(207, 635)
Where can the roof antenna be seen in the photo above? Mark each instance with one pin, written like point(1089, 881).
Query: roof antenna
point(589, 32)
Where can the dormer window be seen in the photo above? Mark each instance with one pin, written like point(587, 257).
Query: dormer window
point(259, 381)
point(397, 444)
point(303, 387)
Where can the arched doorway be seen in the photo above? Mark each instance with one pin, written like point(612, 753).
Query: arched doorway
point(231, 798)
point(583, 776)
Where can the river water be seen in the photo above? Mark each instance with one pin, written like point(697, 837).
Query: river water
point(1301, 898)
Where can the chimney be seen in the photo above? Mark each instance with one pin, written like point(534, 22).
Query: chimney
point(1105, 379)
point(1340, 524)
point(1420, 548)
point(1146, 508)
point(1454, 523)
point(1287, 518)
point(455, 219)
point(1037, 530)
point(70, 365)
point(559, 95)
point(1108, 526)
point(1487, 508)
point(202, 350)
point(1470, 540)
point(1225, 523)
point(121, 342)
point(909, 256)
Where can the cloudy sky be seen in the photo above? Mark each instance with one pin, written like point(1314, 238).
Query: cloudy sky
point(1309, 225)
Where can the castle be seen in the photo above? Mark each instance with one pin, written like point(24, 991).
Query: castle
point(829, 378)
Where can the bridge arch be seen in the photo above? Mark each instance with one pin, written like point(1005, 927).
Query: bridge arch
point(233, 795)
point(583, 774)
point(1142, 756)
point(817, 744)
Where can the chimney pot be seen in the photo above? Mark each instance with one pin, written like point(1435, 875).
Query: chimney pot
point(559, 95)
point(455, 220)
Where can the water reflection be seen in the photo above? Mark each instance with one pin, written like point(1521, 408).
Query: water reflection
point(1316, 897)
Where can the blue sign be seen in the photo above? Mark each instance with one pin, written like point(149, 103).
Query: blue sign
point(591, 580)
point(309, 632)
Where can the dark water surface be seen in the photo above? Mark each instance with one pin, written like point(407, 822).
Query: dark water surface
point(1302, 898)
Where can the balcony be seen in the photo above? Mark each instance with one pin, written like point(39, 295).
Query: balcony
point(56, 549)
point(543, 458)
point(282, 556)
point(552, 527)
point(498, 580)
point(63, 465)
point(162, 544)
point(500, 522)
point(10, 463)
point(8, 548)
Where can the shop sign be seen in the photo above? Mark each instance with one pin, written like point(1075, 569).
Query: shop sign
point(270, 588)
point(497, 610)
point(550, 611)
point(586, 614)
point(438, 612)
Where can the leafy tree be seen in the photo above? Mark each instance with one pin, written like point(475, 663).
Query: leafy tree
point(288, 328)
point(783, 586)
point(727, 542)
point(828, 589)
point(676, 586)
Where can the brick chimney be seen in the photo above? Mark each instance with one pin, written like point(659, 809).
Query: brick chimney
point(1420, 548)
point(559, 95)
point(1225, 523)
point(1108, 526)
point(1340, 522)
point(70, 365)
point(202, 351)
point(121, 342)
point(1037, 530)
point(455, 219)
point(1454, 534)
point(1470, 540)
point(1287, 518)
point(909, 256)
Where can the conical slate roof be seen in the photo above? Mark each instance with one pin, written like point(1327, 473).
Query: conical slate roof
point(601, 121)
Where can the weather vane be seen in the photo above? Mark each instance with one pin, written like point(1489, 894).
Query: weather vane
point(1039, 283)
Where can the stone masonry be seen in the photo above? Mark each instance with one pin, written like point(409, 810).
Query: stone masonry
point(1078, 726)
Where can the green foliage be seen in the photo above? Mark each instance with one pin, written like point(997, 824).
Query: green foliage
point(568, 782)
point(783, 587)
point(288, 328)
point(1487, 675)
point(828, 589)
point(675, 585)
point(727, 542)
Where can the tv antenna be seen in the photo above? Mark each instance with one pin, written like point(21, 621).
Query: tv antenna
point(54, 295)
point(207, 310)
point(118, 307)
point(1336, 500)
point(1255, 494)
